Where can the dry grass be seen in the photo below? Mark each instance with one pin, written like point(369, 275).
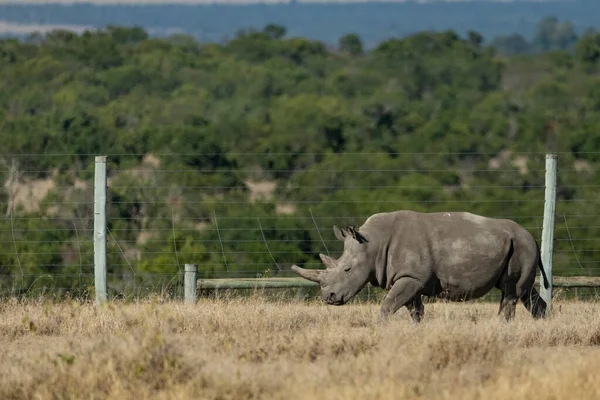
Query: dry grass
point(247, 349)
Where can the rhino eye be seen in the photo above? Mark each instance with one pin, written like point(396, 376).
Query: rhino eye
point(347, 269)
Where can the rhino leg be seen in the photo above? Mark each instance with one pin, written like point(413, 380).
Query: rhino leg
point(403, 291)
point(416, 309)
point(525, 285)
point(509, 299)
point(534, 303)
point(508, 306)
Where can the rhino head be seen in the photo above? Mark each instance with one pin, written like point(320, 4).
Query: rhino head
point(345, 277)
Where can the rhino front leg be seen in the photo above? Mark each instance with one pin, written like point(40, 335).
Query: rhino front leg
point(416, 309)
point(403, 292)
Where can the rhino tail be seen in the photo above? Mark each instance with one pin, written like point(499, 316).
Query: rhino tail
point(541, 266)
point(546, 282)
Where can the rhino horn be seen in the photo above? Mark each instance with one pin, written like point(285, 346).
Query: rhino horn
point(310, 274)
point(329, 262)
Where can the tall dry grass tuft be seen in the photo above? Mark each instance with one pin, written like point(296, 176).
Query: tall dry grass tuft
point(251, 348)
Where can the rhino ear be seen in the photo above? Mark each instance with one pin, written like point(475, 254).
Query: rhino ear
point(339, 233)
point(359, 237)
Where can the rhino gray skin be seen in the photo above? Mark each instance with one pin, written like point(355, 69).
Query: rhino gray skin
point(453, 255)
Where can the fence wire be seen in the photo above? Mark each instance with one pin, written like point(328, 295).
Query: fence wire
point(259, 214)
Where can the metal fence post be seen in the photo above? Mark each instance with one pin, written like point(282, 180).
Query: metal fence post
point(189, 281)
point(547, 246)
point(100, 280)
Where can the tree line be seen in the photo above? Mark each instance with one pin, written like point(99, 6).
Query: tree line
point(229, 155)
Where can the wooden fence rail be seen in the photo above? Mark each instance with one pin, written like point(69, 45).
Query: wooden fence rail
point(255, 283)
point(275, 283)
point(574, 281)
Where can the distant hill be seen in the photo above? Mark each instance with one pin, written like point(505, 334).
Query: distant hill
point(372, 21)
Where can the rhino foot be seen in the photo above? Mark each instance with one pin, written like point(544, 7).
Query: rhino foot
point(383, 318)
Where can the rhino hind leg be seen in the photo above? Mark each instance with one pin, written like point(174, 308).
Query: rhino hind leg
point(501, 303)
point(509, 299)
point(529, 295)
point(534, 303)
point(508, 306)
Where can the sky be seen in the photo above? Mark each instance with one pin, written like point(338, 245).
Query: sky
point(372, 20)
point(141, 2)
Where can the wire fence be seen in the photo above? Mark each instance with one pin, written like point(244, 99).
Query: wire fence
point(254, 215)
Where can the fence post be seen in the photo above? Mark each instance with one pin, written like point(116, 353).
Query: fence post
point(547, 247)
point(189, 282)
point(100, 281)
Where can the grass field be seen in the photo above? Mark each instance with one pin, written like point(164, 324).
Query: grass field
point(256, 349)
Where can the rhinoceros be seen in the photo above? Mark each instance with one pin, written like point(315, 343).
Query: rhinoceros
point(453, 255)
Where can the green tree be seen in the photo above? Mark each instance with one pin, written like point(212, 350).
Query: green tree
point(553, 35)
point(587, 50)
point(351, 44)
point(275, 31)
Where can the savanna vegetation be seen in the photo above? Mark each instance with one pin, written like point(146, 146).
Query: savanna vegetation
point(266, 136)
point(249, 349)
